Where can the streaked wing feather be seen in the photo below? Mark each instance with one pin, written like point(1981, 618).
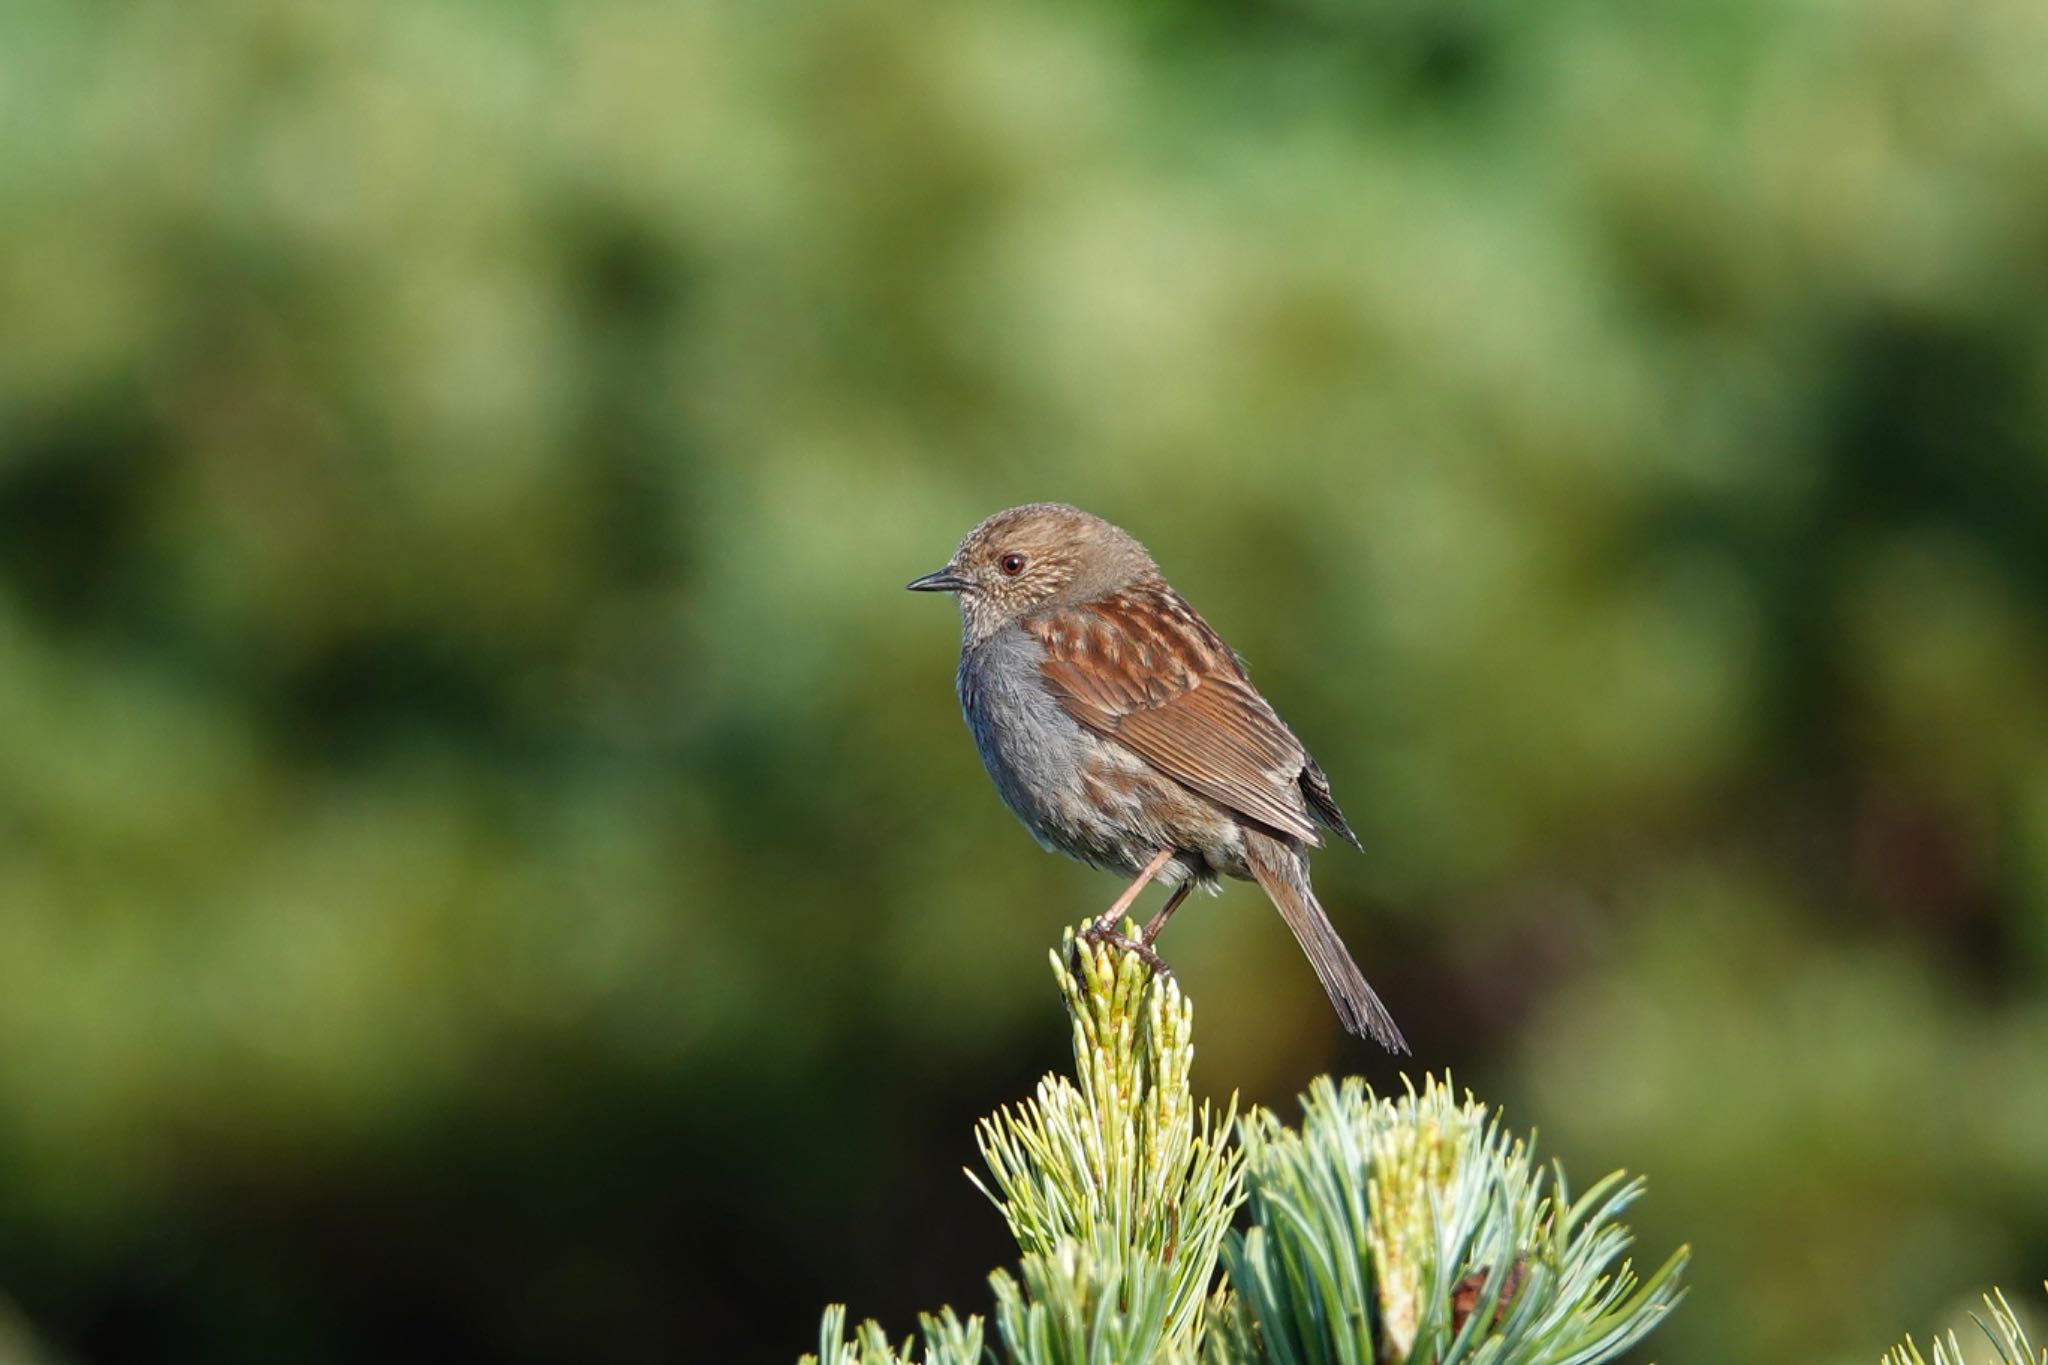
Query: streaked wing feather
point(1160, 688)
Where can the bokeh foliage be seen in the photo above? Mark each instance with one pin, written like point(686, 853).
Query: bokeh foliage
point(488, 858)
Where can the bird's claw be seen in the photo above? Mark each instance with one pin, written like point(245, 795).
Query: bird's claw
point(1096, 933)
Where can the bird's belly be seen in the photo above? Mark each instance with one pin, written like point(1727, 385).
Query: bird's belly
point(1085, 796)
point(1042, 774)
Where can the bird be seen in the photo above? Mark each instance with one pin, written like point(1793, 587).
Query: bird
point(1123, 732)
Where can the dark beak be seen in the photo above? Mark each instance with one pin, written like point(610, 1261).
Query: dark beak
point(939, 580)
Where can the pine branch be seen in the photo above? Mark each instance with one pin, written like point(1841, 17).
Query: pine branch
point(1123, 1167)
point(1381, 1230)
point(1415, 1229)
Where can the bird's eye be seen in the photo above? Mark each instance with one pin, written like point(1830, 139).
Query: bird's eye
point(1013, 564)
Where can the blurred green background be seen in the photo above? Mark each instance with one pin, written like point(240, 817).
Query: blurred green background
point(490, 863)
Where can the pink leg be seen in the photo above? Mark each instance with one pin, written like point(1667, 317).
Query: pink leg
point(1106, 922)
point(1158, 921)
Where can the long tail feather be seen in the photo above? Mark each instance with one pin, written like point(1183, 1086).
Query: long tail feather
point(1283, 874)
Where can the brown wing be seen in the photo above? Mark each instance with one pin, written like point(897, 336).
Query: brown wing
point(1141, 668)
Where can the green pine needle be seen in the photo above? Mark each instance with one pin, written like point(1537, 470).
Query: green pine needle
point(948, 1341)
point(2007, 1334)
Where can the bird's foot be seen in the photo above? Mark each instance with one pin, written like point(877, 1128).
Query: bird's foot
point(1124, 943)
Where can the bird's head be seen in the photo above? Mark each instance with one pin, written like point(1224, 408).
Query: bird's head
point(1030, 558)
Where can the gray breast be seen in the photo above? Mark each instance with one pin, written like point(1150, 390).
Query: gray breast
point(1032, 748)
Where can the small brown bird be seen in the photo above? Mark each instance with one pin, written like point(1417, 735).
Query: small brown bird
point(1123, 732)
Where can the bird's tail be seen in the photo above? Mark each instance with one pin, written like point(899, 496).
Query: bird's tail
point(1283, 874)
